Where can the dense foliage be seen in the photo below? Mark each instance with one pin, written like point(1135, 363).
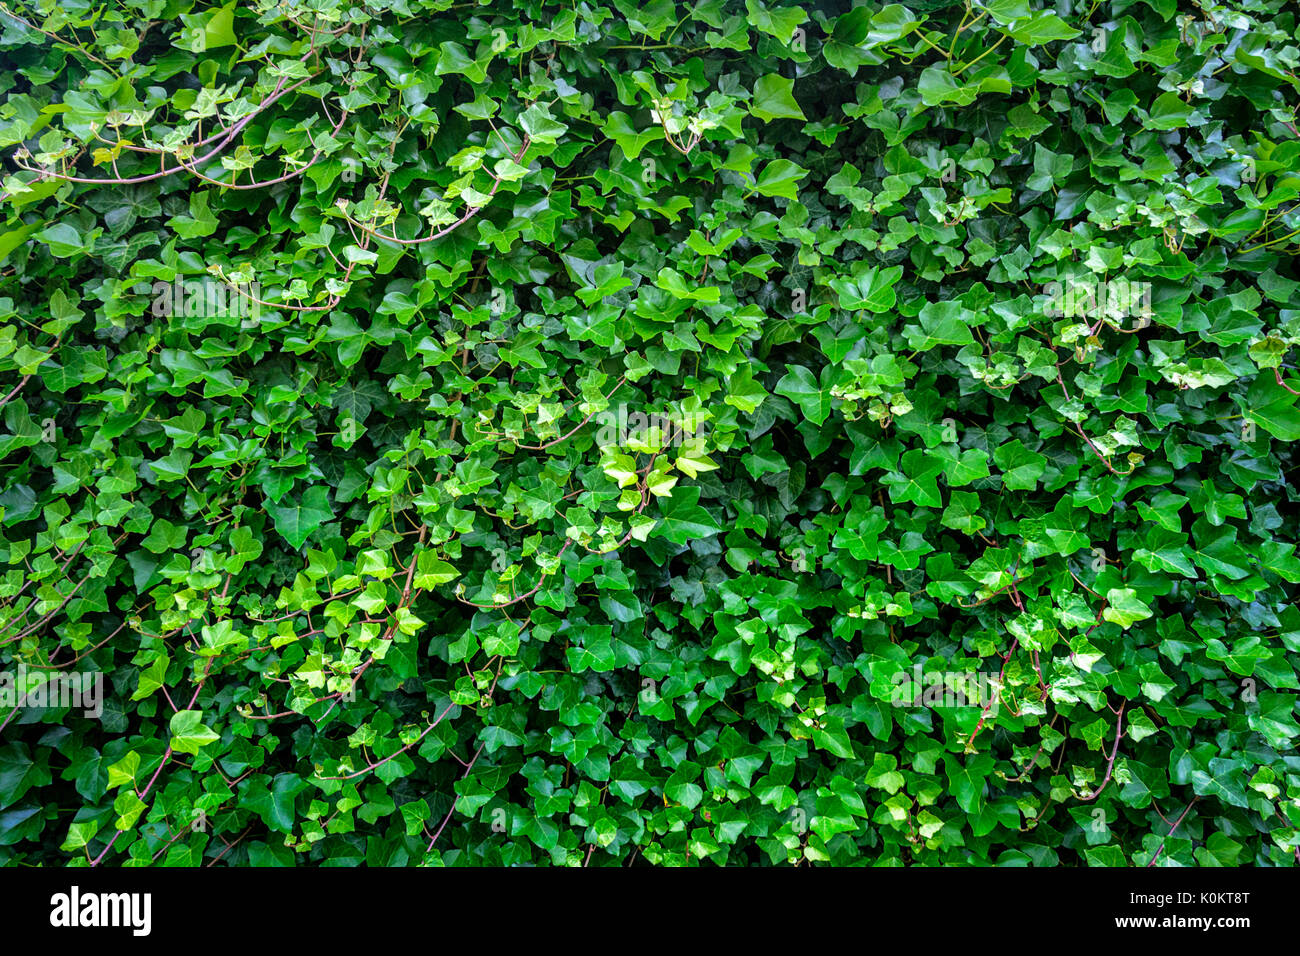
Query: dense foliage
point(613, 431)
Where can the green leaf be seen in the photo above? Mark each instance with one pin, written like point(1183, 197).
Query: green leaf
point(220, 28)
point(1273, 409)
point(1042, 27)
point(941, 323)
point(683, 519)
point(297, 518)
point(873, 290)
point(780, 178)
point(1124, 608)
point(189, 734)
point(65, 241)
point(801, 387)
point(774, 99)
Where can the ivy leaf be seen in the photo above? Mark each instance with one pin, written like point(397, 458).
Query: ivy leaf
point(801, 387)
point(189, 734)
point(873, 290)
point(431, 571)
point(1042, 27)
point(65, 241)
point(540, 125)
point(774, 99)
point(297, 518)
point(1273, 408)
point(941, 323)
point(780, 178)
point(683, 519)
point(692, 459)
point(775, 21)
point(1124, 608)
point(967, 780)
point(618, 127)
